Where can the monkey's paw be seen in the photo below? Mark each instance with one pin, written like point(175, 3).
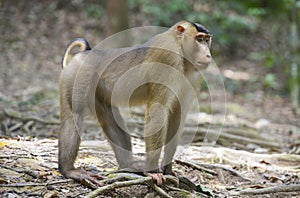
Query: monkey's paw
point(88, 179)
point(159, 178)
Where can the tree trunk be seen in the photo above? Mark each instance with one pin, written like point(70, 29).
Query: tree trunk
point(117, 14)
point(295, 73)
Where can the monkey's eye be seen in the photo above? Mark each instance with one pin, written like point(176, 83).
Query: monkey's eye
point(200, 38)
point(203, 38)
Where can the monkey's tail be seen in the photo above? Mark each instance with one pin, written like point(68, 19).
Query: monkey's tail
point(81, 42)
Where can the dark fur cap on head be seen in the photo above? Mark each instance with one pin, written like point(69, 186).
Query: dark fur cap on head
point(200, 28)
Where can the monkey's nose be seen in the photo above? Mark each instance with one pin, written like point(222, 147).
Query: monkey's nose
point(208, 56)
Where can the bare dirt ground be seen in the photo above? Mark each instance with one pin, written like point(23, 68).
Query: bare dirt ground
point(29, 168)
point(257, 149)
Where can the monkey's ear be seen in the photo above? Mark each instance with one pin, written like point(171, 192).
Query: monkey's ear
point(180, 29)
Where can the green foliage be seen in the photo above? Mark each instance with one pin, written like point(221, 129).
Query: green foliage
point(34, 99)
point(269, 57)
point(94, 10)
point(256, 12)
point(294, 85)
point(232, 85)
point(227, 21)
point(204, 190)
point(270, 81)
point(165, 14)
point(204, 85)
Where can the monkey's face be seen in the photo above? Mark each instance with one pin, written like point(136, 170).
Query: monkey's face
point(202, 44)
point(196, 49)
point(195, 42)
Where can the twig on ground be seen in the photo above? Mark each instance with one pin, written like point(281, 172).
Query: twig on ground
point(35, 184)
point(221, 176)
point(218, 166)
point(232, 171)
point(274, 189)
point(17, 115)
point(132, 179)
point(27, 171)
point(232, 137)
point(195, 166)
point(159, 190)
point(187, 193)
point(15, 126)
point(59, 182)
point(115, 185)
point(115, 176)
point(22, 184)
point(27, 126)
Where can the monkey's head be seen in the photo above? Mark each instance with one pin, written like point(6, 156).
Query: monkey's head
point(195, 41)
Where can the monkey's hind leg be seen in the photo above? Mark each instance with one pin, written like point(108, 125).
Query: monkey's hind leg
point(69, 141)
point(114, 128)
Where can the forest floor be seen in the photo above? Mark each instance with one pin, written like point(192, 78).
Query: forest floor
point(252, 156)
point(256, 154)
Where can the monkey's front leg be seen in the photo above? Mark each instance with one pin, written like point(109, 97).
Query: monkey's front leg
point(155, 121)
point(174, 130)
point(176, 122)
point(153, 149)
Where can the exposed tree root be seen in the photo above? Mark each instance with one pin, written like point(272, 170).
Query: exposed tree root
point(19, 116)
point(35, 184)
point(274, 189)
point(218, 166)
point(195, 166)
point(225, 137)
point(119, 180)
point(132, 179)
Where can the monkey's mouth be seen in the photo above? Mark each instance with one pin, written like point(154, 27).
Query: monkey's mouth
point(202, 64)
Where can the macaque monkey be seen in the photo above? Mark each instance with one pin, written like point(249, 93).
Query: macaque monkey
point(171, 57)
